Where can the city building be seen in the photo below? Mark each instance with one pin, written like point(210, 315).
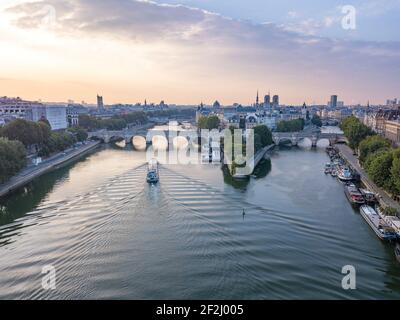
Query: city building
point(100, 104)
point(11, 108)
point(55, 114)
point(333, 102)
point(267, 101)
point(304, 111)
point(73, 113)
point(275, 101)
point(392, 131)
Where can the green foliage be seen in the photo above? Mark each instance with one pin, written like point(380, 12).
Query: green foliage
point(389, 211)
point(370, 145)
point(79, 133)
point(27, 132)
point(12, 158)
point(58, 141)
point(257, 142)
point(378, 166)
point(117, 122)
point(208, 122)
point(395, 171)
point(265, 135)
point(295, 125)
point(316, 120)
point(355, 131)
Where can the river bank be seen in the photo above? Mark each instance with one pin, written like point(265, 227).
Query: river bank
point(32, 172)
point(254, 162)
point(384, 199)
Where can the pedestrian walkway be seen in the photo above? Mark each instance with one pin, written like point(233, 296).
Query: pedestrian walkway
point(31, 172)
point(385, 200)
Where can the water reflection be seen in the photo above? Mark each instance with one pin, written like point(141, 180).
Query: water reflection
point(261, 171)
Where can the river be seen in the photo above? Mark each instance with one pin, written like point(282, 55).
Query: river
point(109, 234)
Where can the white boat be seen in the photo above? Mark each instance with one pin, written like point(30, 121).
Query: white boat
point(378, 225)
point(345, 174)
point(393, 222)
point(152, 172)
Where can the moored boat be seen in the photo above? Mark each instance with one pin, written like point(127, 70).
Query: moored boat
point(353, 194)
point(345, 174)
point(378, 225)
point(392, 221)
point(369, 196)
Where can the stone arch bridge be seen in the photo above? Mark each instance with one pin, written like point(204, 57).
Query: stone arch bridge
point(125, 134)
point(295, 137)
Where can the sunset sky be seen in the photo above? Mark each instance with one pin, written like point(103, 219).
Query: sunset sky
point(187, 51)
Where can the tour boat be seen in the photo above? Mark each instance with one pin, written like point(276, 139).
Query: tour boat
point(381, 229)
point(345, 174)
point(397, 252)
point(152, 172)
point(353, 194)
point(392, 221)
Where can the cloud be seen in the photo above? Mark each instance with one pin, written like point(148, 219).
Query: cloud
point(197, 44)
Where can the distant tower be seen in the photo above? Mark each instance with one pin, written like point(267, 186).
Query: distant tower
point(304, 111)
point(100, 104)
point(257, 100)
point(333, 103)
point(275, 101)
point(267, 101)
point(199, 111)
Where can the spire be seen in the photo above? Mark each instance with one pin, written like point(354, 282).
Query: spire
point(257, 99)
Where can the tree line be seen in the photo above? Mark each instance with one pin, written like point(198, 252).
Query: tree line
point(380, 160)
point(295, 125)
point(19, 135)
point(208, 122)
point(116, 122)
point(12, 158)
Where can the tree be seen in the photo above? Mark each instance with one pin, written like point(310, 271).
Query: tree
point(379, 167)
point(316, 120)
point(12, 158)
point(395, 171)
point(25, 131)
point(208, 122)
point(257, 142)
point(45, 131)
point(355, 131)
point(295, 125)
point(265, 135)
point(370, 145)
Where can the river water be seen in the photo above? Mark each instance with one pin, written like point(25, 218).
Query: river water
point(108, 234)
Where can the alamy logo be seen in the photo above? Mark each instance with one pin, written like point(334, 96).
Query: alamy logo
point(349, 20)
point(49, 17)
point(349, 280)
point(49, 278)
